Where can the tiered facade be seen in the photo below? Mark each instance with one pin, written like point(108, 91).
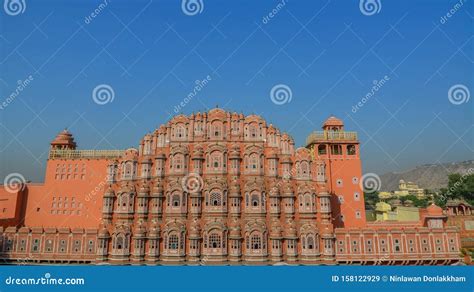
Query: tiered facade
point(213, 188)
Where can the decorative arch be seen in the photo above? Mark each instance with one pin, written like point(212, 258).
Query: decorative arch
point(256, 238)
point(174, 238)
point(309, 239)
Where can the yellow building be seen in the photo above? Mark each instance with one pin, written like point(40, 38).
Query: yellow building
point(409, 188)
point(384, 212)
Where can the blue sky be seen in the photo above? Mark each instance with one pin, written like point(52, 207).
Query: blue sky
point(151, 53)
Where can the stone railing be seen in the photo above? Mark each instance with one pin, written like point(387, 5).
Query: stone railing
point(91, 154)
point(331, 135)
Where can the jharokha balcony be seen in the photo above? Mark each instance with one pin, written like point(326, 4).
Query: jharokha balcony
point(319, 136)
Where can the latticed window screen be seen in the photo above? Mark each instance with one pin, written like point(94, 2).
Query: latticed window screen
point(173, 241)
point(215, 240)
point(216, 199)
point(256, 242)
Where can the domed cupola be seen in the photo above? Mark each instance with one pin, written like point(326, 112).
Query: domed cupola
point(64, 141)
point(333, 124)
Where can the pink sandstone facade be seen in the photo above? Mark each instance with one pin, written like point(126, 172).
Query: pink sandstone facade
point(212, 188)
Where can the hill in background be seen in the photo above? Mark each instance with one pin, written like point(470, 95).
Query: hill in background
point(428, 176)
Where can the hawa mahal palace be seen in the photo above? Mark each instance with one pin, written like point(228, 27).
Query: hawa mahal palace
point(213, 188)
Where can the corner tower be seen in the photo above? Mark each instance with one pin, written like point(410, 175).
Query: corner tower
point(340, 152)
point(63, 141)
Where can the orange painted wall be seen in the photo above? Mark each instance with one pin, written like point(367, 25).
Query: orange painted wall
point(10, 207)
point(75, 201)
point(347, 170)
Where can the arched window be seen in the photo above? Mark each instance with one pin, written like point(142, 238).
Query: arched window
point(178, 161)
point(253, 163)
point(255, 200)
point(147, 148)
point(322, 150)
point(255, 242)
point(180, 131)
point(216, 158)
point(173, 241)
point(216, 129)
point(307, 201)
point(214, 240)
point(336, 149)
point(235, 126)
point(127, 170)
point(304, 168)
point(216, 199)
point(119, 242)
point(253, 131)
point(176, 200)
point(351, 150)
point(310, 242)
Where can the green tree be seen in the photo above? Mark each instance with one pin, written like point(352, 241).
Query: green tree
point(420, 203)
point(459, 187)
point(371, 199)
